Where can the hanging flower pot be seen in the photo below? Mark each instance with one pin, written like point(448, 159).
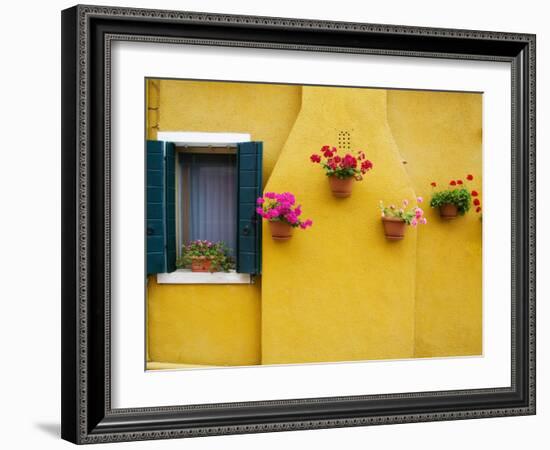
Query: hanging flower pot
point(201, 264)
point(456, 199)
point(448, 211)
point(280, 231)
point(395, 220)
point(394, 228)
point(340, 187)
point(342, 171)
point(282, 214)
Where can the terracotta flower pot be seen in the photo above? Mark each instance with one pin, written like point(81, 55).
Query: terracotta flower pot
point(394, 228)
point(201, 264)
point(341, 187)
point(280, 231)
point(448, 211)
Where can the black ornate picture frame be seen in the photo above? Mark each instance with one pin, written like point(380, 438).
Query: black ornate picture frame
point(87, 34)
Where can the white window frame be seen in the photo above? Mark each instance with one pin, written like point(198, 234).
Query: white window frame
point(196, 139)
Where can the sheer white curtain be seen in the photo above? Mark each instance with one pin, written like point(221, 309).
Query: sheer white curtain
point(212, 201)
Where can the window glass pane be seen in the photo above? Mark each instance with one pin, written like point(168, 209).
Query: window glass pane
point(211, 190)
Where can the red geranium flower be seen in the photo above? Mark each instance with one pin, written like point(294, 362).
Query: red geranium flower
point(315, 158)
point(459, 182)
point(453, 183)
point(478, 209)
point(476, 202)
point(474, 194)
point(433, 183)
point(469, 177)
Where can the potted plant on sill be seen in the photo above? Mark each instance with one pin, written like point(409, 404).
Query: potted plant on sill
point(395, 220)
point(342, 171)
point(282, 214)
point(205, 256)
point(456, 199)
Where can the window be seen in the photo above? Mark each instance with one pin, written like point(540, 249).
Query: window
point(203, 193)
point(206, 195)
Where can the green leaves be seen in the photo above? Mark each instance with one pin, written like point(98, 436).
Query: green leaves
point(460, 197)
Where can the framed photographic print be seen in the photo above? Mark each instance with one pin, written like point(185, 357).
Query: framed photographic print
point(279, 224)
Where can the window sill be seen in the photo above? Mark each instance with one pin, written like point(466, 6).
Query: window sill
point(182, 276)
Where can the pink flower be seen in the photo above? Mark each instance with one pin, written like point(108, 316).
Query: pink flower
point(260, 211)
point(270, 195)
point(423, 221)
point(405, 203)
point(418, 212)
point(291, 218)
point(419, 199)
point(414, 222)
point(260, 201)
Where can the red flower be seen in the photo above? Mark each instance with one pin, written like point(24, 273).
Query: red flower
point(474, 194)
point(327, 154)
point(315, 158)
point(337, 159)
point(478, 209)
point(476, 202)
point(366, 165)
point(349, 162)
point(459, 182)
point(433, 183)
point(469, 177)
point(324, 148)
point(453, 183)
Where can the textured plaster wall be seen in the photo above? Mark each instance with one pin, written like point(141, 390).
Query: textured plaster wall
point(214, 324)
point(339, 290)
point(440, 136)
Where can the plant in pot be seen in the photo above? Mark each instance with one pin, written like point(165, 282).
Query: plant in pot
point(282, 214)
point(342, 171)
point(206, 256)
point(396, 219)
point(456, 199)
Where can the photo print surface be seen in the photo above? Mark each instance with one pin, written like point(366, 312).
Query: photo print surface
point(294, 224)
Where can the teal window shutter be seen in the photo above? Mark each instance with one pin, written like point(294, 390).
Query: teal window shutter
point(170, 208)
point(249, 226)
point(160, 199)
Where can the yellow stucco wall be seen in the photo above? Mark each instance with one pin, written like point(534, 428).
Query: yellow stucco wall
point(214, 324)
point(204, 324)
point(339, 290)
point(440, 136)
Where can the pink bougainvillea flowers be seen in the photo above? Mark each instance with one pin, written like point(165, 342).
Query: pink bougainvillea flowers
point(281, 207)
